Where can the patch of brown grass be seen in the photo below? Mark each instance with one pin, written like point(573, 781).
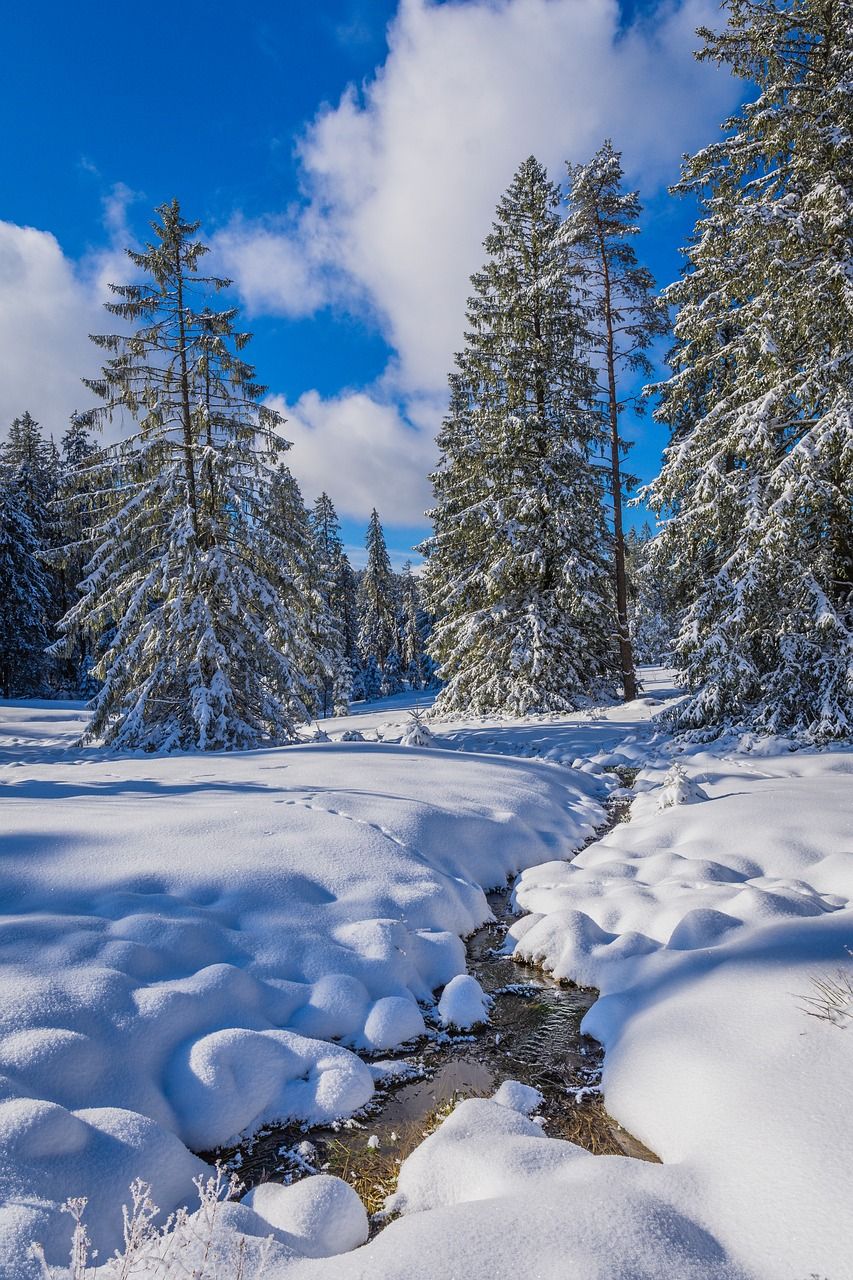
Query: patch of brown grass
point(373, 1171)
point(588, 1125)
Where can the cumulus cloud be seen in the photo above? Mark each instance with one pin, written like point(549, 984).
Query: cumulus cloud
point(278, 272)
point(362, 452)
point(400, 179)
point(403, 175)
point(48, 310)
point(49, 304)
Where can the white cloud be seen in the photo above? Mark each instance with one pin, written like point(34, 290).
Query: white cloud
point(362, 452)
point(276, 270)
point(48, 310)
point(400, 181)
point(402, 178)
point(49, 304)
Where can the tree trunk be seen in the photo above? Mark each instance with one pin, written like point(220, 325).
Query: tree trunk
point(626, 653)
point(189, 463)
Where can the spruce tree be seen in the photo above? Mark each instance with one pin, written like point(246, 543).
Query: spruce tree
point(303, 584)
point(517, 570)
point(624, 318)
point(185, 569)
point(328, 554)
point(415, 663)
point(757, 483)
point(24, 590)
point(651, 614)
point(378, 625)
point(26, 451)
point(73, 506)
point(346, 589)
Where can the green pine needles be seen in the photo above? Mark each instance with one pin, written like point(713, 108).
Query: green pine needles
point(518, 567)
point(757, 484)
point(184, 588)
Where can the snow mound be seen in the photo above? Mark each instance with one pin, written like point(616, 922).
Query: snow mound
point(464, 1003)
point(518, 1097)
point(572, 1214)
point(320, 1216)
point(45, 1148)
point(392, 1021)
point(237, 1079)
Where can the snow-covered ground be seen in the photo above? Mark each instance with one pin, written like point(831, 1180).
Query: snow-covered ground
point(195, 944)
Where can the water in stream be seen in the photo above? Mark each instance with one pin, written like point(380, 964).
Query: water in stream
point(533, 1036)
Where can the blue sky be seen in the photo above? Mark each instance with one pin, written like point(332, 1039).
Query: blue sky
point(344, 157)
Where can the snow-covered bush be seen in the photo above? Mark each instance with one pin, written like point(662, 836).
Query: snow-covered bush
point(418, 732)
point(679, 789)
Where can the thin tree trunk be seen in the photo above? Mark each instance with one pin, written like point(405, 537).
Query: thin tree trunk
point(185, 403)
point(626, 653)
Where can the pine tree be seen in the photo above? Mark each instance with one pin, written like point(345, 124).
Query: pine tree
point(758, 480)
point(315, 647)
point(186, 567)
point(378, 626)
point(624, 319)
point(415, 663)
point(517, 570)
point(26, 452)
point(73, 509)
point(370, 679)
point(24, 590)
point(328, 556)
point(392, 675)
point(346, 595)
point(651, 613)
point(77, 444)
point(36, 464)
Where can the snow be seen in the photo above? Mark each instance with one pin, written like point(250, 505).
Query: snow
point(193, 945)
point(463, 1003)
point(182, 937)
point(391, 1021)
point(319, 1217)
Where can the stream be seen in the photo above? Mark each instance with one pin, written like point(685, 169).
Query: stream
point(533, 1036)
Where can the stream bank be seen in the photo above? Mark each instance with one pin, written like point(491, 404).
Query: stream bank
point(533, 1036)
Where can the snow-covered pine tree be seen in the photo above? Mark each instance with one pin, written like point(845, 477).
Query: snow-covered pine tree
point(26, 452)
point(73, 507)
point(624, 318)
point(392, 675)
point(34, 463)
point(416, 665)
point(346, 596)
point(651, 615)
point(24, 591)
point(186, 567)
point(328, 554)
point(370, 679)
point(303, 586)
point(77, 444)
point(758, 479)
point(378, 623)
point(517, 571)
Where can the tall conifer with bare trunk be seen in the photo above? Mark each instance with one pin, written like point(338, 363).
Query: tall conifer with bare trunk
point(624, 320)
